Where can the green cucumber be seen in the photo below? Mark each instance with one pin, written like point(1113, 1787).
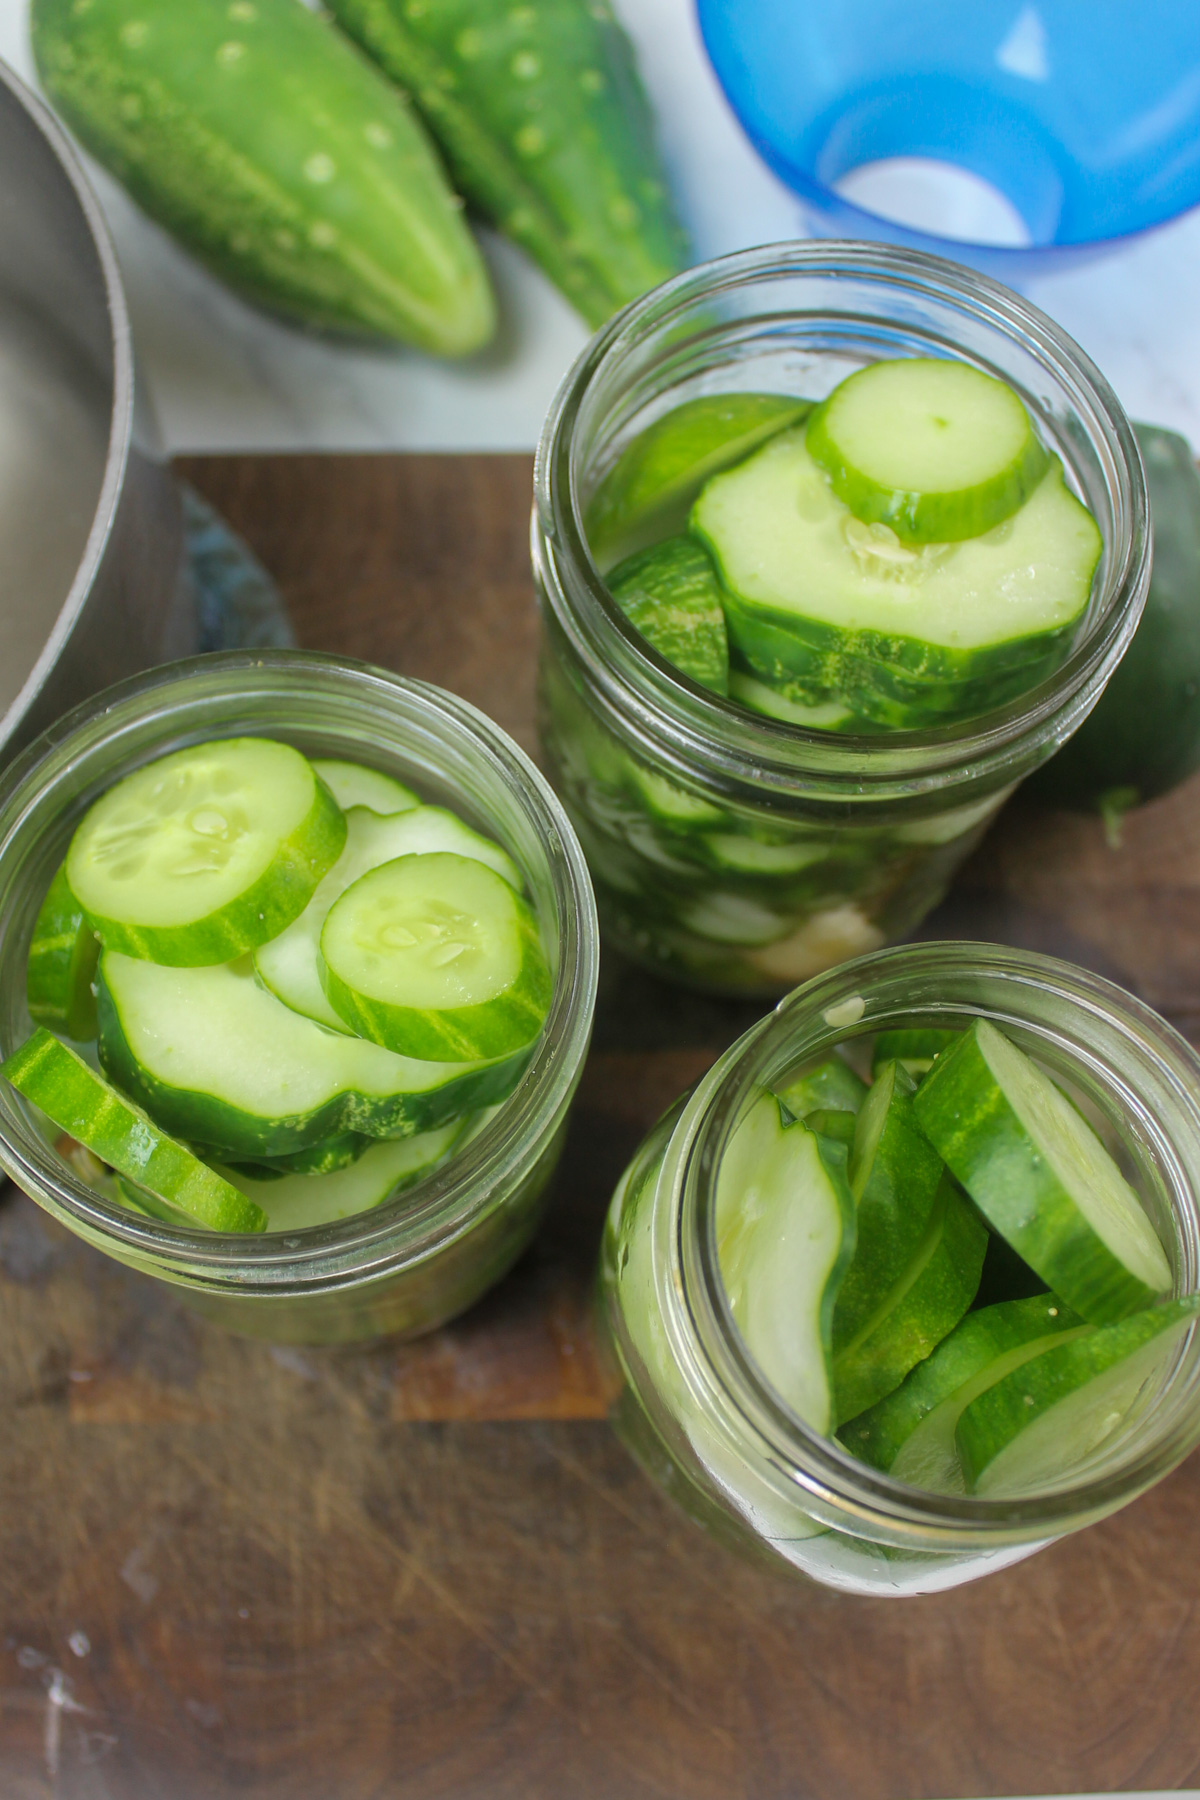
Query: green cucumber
point(932, 448)
point(832, 1122)
point(832, 1084)
point(668, 804)
point(646, 494)
point(354, 784)
point(785, 1233)
point(437, 957)
point(1028, 1430)
point(63, 953)
point(820, 715)
point(1041, 1176)
point(81, 1102)
point(296, 1202)
point(205, 853)
point(926, 1301)
point(911, 1431)
point(260, 139)
point(543, 121)
point(827, 609)
point(221, 1061)
point(290, 964)
point(915, 1049)
point(895, 1175)
point(324, 1158)
point(670, 594)
point(1143, 735)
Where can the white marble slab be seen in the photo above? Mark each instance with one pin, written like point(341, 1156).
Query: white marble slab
point(224, 377)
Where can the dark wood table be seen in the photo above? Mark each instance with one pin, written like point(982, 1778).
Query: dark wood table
point(431, 1570)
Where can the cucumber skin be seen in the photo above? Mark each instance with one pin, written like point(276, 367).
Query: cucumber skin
point(670, 594)
point(63, 954)
point(214, 145)
point(1142, 738)
point(935, 1303)
point(546, 128)
point(646, 494)
point(915, 1049)
point(878, 1435)
point(975, 1139)
point(79, 1105)
point(832, 1086)
point(246, 1136)
point(1002, 1411)
point(323, 1158)
point(262, 911)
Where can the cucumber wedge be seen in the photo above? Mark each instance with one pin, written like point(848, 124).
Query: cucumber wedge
point(785, 1233)
point(221, 1061)
point(206, 853)
point(1042, 1177)
point(831, 1084)
point(438, 957)
point(82, 1103)
point(295, 1202)
point(1034, 1426)
point(63, 953)
point(354, 784)
point(290, 964)
point(541, 116)
point(671, 595)
point(927, 1300)
point(831, 1122)
point(911, 1431)
point(260, 139)
point(931, 447)
point(827, 609)
point(914, 1050)
point(646, 494)
point(895, 1175)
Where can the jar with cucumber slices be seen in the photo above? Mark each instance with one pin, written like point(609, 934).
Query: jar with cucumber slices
point(909, 1285)
point(299, 962)
point(835, 543)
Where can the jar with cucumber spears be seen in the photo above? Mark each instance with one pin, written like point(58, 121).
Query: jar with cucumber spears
point(409, 1261)
point(691, 1320)
point(742, 840)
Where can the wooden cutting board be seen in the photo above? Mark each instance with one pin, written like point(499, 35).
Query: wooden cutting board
point(430, 1570)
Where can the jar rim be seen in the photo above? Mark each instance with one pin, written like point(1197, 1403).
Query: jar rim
point(444, 1205)
point(688, 722)
point(817, 1464)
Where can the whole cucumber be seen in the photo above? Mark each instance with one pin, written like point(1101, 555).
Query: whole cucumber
point(1143, 735)
point(546, 128)
point(276, 153)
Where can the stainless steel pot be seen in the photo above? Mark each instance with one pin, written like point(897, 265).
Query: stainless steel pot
point(90, 530)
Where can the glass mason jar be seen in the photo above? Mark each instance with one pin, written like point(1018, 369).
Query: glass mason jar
point(409, 1264)
point(692, 1405)
point(743, 853)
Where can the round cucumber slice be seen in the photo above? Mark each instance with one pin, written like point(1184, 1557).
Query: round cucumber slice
point(295, 1202)
point(1042, 1177)
point(670, 595)
point(825, 609)
point(1033, 1427)
point(354, 784)
point(219, 1060)
point(323, 1158)
point(785, 1232)
point(436, 956)
point(646, 493)
point(756, 696)
point(933, 449)
point(290, 964)
point(81, 1102)
point(63, 953)
point(911, 1431)
point(206, 853)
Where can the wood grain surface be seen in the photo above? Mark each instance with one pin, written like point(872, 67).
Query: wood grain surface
point(430, 1571)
